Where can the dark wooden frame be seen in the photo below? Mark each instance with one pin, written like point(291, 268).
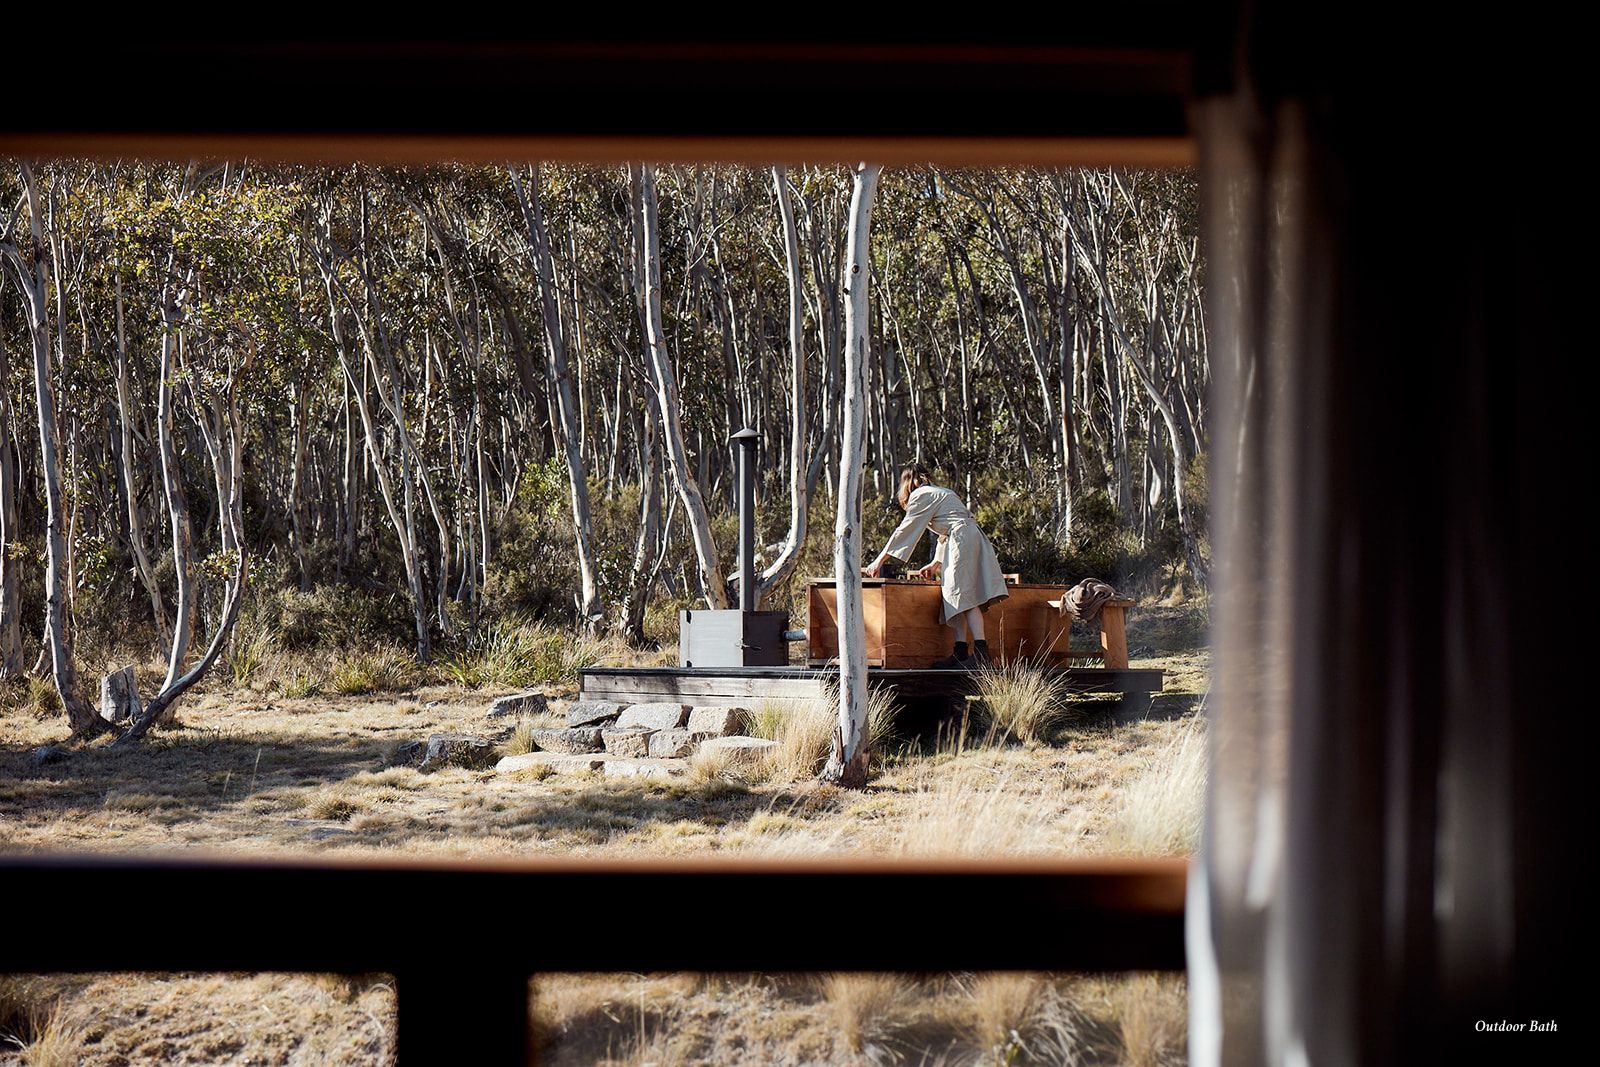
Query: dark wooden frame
point(1116, 95)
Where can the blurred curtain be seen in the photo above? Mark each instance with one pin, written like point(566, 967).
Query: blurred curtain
point(1382, 863)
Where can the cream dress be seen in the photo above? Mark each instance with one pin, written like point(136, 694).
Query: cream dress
point(970, 575)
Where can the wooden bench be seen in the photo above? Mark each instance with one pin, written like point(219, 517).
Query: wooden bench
point(904, 632)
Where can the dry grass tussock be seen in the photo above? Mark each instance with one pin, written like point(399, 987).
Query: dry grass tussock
point(1161, 807)
point(519, 654)
point(863, 1005)
point(1147, 1017)
point(859, 1018)
point(99, 1020)
point(804, 726)
point(37, 1026)
point(381, 669)
point(1008, 813)
point(1021, 701)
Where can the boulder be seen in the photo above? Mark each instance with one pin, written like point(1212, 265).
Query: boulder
point(46, 754)
point(718, 722)
point(409, 754)
point(457, 750)
point(559, 762)
point(738, 751)
point(325, 833)
point(627, 740)
point(592, 712)
point(655, 716)
point(573, 740)
point(674, 744)
point(119, 695)
point(519, 704)
point(656, 769)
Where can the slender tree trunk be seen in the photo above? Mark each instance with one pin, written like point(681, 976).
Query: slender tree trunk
point(297, 517)
point(590, 609)
point(226, 448)
point(647, 281)
point(172, 482)
point(642, 574)
point(31, 279)
point(1067, 376)
point(11, 661)
point(136, 536)
point(847, 764)
point(799, 496)
point(401, 523)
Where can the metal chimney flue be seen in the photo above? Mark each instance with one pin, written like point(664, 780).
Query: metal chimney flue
point(742, 636)
point(747, 440)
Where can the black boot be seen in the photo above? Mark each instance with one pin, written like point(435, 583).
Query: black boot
point(980, 656)
point(954, 661)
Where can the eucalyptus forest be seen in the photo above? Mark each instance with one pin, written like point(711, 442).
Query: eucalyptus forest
point(321, 486)
point(433, 399)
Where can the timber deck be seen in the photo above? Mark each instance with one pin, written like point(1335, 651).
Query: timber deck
point(733, 686)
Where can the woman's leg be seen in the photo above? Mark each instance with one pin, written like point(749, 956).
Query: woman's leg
point(959, 656)
point(974, 620)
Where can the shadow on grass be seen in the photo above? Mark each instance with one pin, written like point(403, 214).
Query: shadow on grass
point(1156, 630)
point(190, 772)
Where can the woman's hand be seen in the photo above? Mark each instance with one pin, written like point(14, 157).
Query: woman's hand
point(930, 573)
point(873, 569)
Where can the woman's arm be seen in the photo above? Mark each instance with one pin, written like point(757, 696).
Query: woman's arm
point(935, 565)
point(919, 511)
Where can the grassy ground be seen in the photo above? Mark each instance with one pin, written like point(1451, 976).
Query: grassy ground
point(997, 1018)
point(283, 761)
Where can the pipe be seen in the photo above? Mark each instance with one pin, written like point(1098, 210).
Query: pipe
point(747, 440)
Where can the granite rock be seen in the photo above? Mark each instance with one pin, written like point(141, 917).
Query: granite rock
point(627, 740)
point(592, 712)
point(457, 750)
point(572, 740)
point(739, 751)
point(718, 722)
point(519, 704)
point(655, 716)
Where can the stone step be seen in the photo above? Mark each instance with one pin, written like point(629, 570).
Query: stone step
point(560, 762)
point(607, 764)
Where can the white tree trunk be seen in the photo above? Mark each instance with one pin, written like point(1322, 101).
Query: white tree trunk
point(225, 445)
point(31, 273)
point(784, 565)
point(647, 280)
point(591, 609)
point(847, 764)
point(402, 526)
point(11, 664)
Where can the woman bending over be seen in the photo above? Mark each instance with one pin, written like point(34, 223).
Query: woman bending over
point(964, 562)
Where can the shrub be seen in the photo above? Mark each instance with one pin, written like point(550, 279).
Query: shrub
point(300, 683)
point(247, 650)
point(381, 669)
point(1021, 701)
point(519, 654)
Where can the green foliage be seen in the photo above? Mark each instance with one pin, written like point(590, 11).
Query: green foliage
point(371, 670)
point(247, 651)
point(333, 616)
point(299, 684)
point(518, 654)
point(230, 254)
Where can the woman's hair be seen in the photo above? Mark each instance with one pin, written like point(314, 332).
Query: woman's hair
point(912, 477)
